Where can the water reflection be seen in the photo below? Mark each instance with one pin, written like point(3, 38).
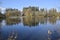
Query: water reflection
point(52, 20)
point(43, 20)
point(0, 22)
point(59, 18)
point(36, 32)
point(10, 21)
point(30, 21)
point(0, 32)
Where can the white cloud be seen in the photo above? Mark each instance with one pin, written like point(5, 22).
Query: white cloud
point(2, 9)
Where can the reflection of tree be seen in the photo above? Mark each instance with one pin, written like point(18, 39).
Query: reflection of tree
point(0, 30)
point(42, 20)
point(59, 18)
point(0, 22)
point(10, 21)
point(52, 20)
point(30, 21)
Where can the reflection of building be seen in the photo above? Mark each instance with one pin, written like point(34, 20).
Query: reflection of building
point(28, 21)
point(32, 11)
point(10, 21)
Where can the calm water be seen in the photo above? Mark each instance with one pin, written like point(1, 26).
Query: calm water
point(30, 28)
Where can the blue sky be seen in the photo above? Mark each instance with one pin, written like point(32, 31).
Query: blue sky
point(19, 4)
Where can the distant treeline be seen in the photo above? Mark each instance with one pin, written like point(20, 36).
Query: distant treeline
point(30, 11)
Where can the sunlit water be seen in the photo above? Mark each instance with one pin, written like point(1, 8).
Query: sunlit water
point(30, 28)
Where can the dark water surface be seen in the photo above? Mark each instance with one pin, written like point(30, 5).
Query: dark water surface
point(30, 28)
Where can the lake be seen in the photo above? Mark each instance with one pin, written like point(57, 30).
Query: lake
point(30, 28)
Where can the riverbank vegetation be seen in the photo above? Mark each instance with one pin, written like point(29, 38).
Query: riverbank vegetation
point(30, 12)
point(2, 16)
